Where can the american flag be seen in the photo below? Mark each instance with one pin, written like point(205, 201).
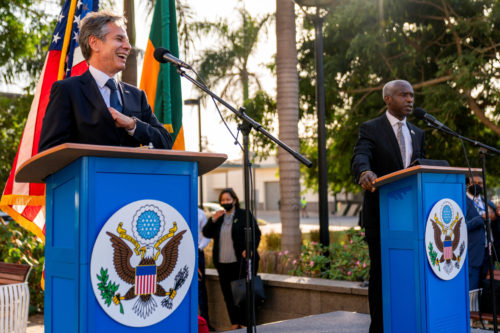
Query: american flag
point(447, 250)
point(25, 202)
point(145, 280)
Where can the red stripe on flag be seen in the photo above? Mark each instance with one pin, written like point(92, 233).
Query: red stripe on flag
point(49, 77)
point(79, 69)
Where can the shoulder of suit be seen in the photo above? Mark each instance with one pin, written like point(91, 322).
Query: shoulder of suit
point(130, 87)
point(375, 121)
point(413, 127)
point(71, 80)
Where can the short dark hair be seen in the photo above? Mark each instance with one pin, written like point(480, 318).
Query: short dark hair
point(233, 195)
point(94, 24)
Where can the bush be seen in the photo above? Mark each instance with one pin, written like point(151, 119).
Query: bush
point(344, 260)
point(20, 246)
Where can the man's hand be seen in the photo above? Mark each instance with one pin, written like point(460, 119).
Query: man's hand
point(367, 180)
point(122, 120)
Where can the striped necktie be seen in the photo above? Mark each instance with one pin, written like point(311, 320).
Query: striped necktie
point(401, 142)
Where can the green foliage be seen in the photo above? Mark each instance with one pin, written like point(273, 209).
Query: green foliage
point(262, 109)
point(270, 242)
point(107, 288)
point(13, 113)
point(345, 260)
point(22, 247)
point(24, 39)
point(447, 49)
point(228, 63)
point(433, 255)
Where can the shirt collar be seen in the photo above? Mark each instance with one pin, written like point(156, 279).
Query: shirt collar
point(100, 77)
point(393, 120)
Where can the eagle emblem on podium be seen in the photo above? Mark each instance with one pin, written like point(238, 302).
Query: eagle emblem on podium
point(145, 277)
point(145, 266)
point(446, 238)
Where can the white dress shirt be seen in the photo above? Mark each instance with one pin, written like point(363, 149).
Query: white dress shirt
point(406, 135)
point(101, 78)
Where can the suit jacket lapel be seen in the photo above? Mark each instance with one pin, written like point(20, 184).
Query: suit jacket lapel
point(390, 137)
point(125, 95)
point(414, 140)
point(93, 95)
point(91, 91)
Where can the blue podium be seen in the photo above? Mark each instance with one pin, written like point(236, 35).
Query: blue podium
point(121, 237)
point(415, 298)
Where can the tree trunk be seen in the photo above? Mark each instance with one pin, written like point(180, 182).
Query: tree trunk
point(129, 74)
point(288, 117)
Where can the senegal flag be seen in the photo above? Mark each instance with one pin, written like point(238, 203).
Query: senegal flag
point(160, 81)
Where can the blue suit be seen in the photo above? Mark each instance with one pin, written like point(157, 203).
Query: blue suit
point(476, 238)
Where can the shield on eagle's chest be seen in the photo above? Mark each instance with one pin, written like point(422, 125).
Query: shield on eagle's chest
point(145, 280)
point(447, 250)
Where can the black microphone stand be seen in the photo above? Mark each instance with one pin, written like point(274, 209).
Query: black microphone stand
point(245, 127)
point(483, 151)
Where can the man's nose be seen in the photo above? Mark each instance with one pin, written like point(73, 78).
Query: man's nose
point(127, 46)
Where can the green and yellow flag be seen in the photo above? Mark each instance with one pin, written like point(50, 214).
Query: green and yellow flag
point(160, 81)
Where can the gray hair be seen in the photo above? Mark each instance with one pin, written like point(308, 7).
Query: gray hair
point(95, 24)
point(388, 89)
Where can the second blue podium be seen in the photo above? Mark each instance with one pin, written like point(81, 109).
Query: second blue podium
point(425, 284)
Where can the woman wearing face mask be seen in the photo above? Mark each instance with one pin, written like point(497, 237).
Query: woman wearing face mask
point(227, 228)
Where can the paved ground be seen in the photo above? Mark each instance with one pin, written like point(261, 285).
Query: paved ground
point(35, 324)
point(333, 322)
point(342, 321)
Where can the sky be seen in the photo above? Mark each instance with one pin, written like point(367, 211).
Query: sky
point(214, 132)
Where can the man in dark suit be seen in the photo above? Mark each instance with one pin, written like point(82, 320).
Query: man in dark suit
point(93, 108)
point(385, 144)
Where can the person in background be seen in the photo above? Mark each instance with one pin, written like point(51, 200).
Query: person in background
point(303, 207)
point(95, 108)
point(202, 288)
point(227, 228)
point(475, 195)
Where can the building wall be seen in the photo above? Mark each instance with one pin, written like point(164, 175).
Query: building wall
point(266, 174)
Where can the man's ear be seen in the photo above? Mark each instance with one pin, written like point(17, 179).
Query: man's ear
point(94, 43)
point(387, 99)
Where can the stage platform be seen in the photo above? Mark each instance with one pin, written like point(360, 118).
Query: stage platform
point(332, 322)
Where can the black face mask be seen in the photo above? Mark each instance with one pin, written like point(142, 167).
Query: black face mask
point(475, 189)
point(228, 206)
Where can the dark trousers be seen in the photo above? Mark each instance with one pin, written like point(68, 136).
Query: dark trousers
point(375, 286)
point(202, 288)
point(228, 273)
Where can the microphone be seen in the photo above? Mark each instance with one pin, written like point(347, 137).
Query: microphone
point(163, 55)
point(422, 114)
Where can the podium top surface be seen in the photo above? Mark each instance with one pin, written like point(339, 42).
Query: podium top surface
point(389, 178)
point(40, 166)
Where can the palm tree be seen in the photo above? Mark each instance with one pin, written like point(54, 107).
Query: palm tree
point(129, 75)
point(288, 117)
point(229, 61)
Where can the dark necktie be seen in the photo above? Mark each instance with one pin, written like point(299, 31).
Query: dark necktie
point(114, 102)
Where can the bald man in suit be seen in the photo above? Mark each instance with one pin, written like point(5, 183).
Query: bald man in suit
point(95, 108)
point(385, 144)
